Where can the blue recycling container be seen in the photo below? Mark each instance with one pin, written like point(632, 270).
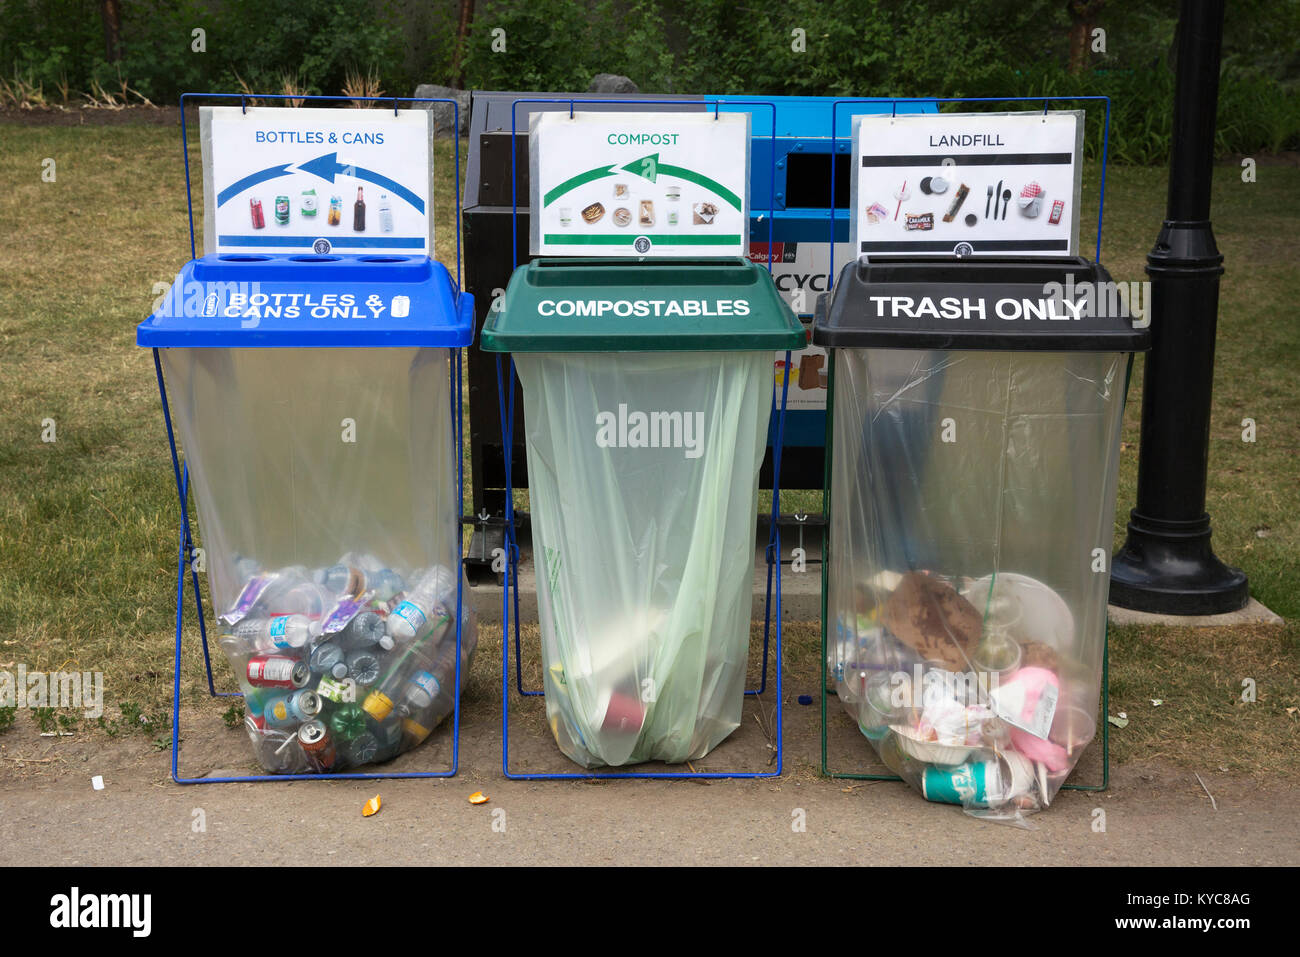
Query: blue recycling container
point(316, 400)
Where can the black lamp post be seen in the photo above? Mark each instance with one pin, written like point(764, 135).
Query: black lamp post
point(1167, 564)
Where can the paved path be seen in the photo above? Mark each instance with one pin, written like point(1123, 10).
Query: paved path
point(49, 813)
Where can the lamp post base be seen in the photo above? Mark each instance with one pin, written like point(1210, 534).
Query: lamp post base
point(1169, 568)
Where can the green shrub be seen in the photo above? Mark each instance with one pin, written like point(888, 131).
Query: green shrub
point(853, 48)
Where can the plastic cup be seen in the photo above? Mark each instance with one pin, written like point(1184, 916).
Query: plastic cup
point(1072, 729)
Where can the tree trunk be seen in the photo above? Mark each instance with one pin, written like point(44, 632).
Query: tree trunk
point(462, 35)
point(110, 11)
point(1083, 16)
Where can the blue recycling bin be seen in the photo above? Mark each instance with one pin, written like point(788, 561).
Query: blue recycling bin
point(317, 403)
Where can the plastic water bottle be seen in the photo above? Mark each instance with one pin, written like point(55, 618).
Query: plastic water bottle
point(385, 583)
point(277, 633)
point(336, 578)
point(327, 658)
point(414, 683)
point(294, 592)
point(424, 604)
point(363, 631)
point(363, 666)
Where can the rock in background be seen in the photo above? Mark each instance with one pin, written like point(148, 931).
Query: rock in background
point(612, 83)
point(442, 112)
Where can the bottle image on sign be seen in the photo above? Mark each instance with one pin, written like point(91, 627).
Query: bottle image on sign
point(385, 214)
point(336, 210)
point(282, 210)
point(308, 203)
point(359, 212)
point(255, 210)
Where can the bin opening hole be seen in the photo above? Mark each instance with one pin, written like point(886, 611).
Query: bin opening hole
point(385, 259)
point(808, 181)
point(231, 258)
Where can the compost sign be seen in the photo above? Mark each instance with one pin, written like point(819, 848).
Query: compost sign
point(639, 184)
point(317, 180)
point(967, 183)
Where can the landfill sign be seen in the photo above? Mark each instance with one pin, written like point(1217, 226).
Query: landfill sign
point(967, 183)
point(317, 180)
point(639, 184)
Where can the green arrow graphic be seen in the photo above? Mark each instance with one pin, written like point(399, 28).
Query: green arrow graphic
point(650, 167)
point(574, 182)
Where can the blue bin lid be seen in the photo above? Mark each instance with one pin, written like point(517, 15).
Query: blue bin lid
point(304, 302)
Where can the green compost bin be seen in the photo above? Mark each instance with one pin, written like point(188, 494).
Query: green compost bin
point(648, 389)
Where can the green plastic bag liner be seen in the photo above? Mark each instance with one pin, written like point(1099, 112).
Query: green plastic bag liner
point(647, 393)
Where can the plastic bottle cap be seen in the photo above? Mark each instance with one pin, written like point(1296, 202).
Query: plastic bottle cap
point(386, 642)
point(378, 705)
point(314, 628)
point(339, 671)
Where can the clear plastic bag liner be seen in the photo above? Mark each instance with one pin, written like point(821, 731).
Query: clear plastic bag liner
point(643, 477)
point(972, 502)
point(326, 490)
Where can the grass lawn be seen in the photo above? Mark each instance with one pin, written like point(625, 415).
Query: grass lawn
point(88, 522)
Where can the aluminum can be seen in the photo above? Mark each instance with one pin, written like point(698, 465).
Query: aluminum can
point(276, 671)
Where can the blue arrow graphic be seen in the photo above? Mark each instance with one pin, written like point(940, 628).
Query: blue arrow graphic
point(327, 167)
point(252, 179)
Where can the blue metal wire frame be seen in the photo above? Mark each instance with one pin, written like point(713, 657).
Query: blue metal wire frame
point(1045, 100)
point(773, 551)
point(180, 472)
point(514, 233)
point(185, 556)
point(185, 152)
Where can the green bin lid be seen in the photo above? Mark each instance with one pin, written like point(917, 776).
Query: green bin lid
point(623, 305)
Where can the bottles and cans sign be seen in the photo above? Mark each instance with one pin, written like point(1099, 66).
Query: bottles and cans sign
point(307, 181)
point(639, 184)
point(1002, 184)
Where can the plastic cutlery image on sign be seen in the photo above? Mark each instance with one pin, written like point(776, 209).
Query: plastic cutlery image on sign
point(1006, 202)
point(997, 194)
point(987, 201)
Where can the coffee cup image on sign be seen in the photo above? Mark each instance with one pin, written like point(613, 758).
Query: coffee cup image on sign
point(703, 214)
point(674, 192)
point(593, 213)
point(566, 216)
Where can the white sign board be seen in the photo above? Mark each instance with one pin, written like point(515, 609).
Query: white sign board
point(639, 184)
point(967, 183)
point(287, 180)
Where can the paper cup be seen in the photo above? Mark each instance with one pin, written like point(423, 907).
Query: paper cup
point(965, 784)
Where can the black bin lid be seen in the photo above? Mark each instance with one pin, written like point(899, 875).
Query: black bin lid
point(1009, 304)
